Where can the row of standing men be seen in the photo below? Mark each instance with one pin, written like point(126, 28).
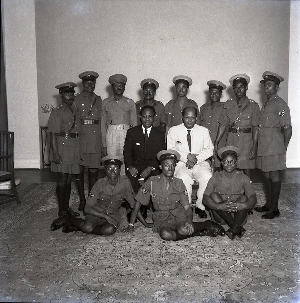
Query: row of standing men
point(263, 136)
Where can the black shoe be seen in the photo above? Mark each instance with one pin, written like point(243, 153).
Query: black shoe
point(60, 222)
point(69, 228)
point(81, 205)
point(241, 232)
point(230, 233)
point(201, 213)
point(261, 209)
point(72, 213)
point(271, 214)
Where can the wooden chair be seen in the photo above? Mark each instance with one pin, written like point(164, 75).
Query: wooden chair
point(7, 163)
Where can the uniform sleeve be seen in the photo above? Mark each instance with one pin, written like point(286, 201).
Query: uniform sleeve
point(211, 186)
point(248, 187)
point(133, 115)
point(224, 119)
point(143, 195)
point(128, 150)
point(93, 196)
point(104, 123)
point(162, 113)
point(54, 122)
point(255, 114)
point(138, 108)
point(168, 114)
point(201, 115)
point(184, 199)
point(129, 193)
point(284, 114)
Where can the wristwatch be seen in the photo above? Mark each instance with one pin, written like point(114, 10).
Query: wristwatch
point(130, 224)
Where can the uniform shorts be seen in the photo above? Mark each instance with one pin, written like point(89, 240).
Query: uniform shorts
point(99, 221)
point(90, 160)
point(170, 222)
point(271, 163)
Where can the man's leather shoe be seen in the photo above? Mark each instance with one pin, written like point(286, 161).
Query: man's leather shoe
point(69, 227)
point(230, 233)
point(241, 232)
point(72, 213)
point(201, 213)
point(59, 222)
point(261, 209)
point(271, 214)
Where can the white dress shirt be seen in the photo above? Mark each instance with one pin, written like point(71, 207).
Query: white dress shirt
point(201, 142)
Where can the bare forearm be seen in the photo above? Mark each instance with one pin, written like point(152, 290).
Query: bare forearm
point(209, 202)
point(287, 134)
point(220, 134)
point(94, 212)
point(189, 214)
point(134, 213)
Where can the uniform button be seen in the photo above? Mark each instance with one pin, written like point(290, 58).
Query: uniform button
point(94, 131)
point(209, 116)
point(82, 104)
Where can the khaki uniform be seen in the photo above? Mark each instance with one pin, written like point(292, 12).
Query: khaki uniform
point(209, 117)
point(160, 115)
point(118, 116)
point(230, 188)
point(174, 112)
point(271, 149)
point(65, 126)
point(108, 199)
point(168, 203)
point(90, 108)
point(243, 118)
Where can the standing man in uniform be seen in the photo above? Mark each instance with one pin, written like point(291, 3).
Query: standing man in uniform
point(149, 87)
point(175, 107)
point(274, 136)
point(63, 128)
point(119, 114)
point(241, 115)
point(142, 144)
point(91, 140)
point(194, 145)
point(210, 113)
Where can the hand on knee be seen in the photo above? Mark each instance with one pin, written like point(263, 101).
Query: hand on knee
point(109, 230)
point(87, 228)
point(182, 231)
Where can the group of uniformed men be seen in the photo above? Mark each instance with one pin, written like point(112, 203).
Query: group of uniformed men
point(228, 138)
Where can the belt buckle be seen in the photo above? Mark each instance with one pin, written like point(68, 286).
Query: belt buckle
point(238, 129)
point(67, 135)
point(88, 121)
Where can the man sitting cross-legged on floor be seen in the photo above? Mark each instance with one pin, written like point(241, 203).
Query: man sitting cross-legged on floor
point(229, 193)
point(173, 216)
point(103, 205)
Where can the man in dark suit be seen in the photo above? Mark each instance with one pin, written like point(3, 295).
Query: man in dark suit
point(142, 144)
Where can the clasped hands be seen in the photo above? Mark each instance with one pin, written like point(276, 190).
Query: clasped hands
point(231, 207)
point(144, 174)
point(191, 160)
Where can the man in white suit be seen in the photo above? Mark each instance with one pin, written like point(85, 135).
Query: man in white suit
point(194, 145)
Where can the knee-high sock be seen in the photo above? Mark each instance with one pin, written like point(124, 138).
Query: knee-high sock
point(276, 188)
point(80, 187)
point(60, 192)
point(268, 187)
point(92, 179)
point(67, 195)
point(227, 217)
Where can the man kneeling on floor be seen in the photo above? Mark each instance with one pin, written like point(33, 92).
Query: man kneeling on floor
point(173, 216)
point(229, 194)
point(104, 202)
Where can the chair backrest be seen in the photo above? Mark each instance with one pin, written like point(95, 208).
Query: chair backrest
point(6, 151)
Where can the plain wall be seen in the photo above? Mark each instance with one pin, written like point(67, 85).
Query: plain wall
point(21, 80)
point(160, 39)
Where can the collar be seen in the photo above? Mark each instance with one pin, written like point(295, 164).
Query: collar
point(149, 130)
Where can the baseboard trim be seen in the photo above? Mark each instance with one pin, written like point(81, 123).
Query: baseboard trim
point(27, 163)
point(293, 164)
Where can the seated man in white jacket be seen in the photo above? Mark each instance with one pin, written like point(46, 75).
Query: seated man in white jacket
point(194, 145)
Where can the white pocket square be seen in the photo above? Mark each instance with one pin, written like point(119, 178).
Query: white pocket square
point(137, 143)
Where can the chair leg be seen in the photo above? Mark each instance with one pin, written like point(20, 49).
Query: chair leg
point(14, 189)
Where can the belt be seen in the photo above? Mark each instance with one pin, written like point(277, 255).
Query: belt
point(89, 121)
point(68, 135)
point(240, 130)
point(119, 126)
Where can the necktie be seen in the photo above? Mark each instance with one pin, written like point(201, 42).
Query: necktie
point(146, 137)
point(189, 139)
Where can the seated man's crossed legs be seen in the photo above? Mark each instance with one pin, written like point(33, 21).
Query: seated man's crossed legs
point(201, 173)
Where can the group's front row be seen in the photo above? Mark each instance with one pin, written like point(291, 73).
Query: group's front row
point(228, 197)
